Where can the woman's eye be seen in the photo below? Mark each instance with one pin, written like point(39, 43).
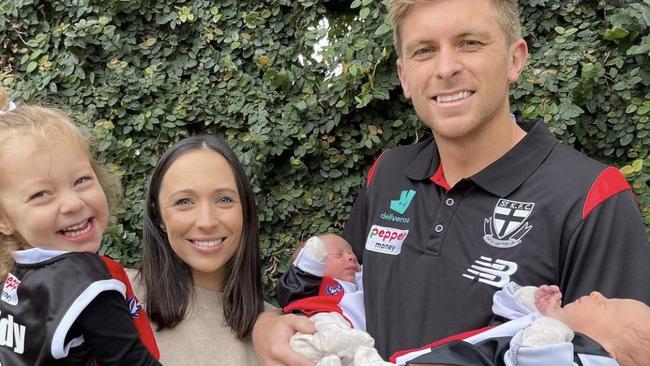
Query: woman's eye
point(183, 202)
point(225, 200)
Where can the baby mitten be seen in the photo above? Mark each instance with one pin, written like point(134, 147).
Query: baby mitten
point(526, 297)
point(545, 331)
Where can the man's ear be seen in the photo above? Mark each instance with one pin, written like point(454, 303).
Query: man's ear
point(518, 58)
point(401, 73)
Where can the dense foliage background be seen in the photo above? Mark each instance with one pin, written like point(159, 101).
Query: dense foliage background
point(305, 91)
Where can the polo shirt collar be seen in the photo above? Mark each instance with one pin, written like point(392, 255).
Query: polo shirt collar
point(504, 175)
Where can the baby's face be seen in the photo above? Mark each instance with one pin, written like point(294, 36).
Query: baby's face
point(603, 319)
point(341, 261)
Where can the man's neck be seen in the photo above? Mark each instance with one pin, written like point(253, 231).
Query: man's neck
point(462, 158)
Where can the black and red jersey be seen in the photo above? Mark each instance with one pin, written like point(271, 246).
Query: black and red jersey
point(71, 308)
point(543, 213)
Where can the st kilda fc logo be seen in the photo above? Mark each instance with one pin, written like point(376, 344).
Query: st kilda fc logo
point(507, 225)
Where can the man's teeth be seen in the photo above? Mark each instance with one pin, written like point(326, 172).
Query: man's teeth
point(207, 244)
point(76, 230)
point(453, 97)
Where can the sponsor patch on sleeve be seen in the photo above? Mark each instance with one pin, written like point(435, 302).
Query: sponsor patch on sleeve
point(386, 240)
point(10, 290)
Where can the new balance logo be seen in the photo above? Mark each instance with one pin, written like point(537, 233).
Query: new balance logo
point(492, 272)
point(402, 204)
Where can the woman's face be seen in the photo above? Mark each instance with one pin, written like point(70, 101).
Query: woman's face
point(202, 214)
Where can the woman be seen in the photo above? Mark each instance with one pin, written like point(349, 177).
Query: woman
point(201, 267)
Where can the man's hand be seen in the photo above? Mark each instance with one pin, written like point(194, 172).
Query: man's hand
point(271, 335)
point(548, 299)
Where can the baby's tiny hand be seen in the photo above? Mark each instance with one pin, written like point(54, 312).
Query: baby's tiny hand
point(548, 299)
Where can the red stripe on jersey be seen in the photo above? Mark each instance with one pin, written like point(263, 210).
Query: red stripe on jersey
point(329, 296)
point(439, 178)
point(371, 172)
point(455, 337)
point(141, 320)
point(609, 182)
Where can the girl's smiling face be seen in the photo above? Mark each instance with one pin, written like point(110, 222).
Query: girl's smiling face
point(50, 196)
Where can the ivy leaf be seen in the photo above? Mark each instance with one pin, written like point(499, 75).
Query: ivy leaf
point(615, 33)
point(31, 66)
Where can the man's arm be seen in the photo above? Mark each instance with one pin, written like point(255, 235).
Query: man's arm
point(608, 252)
point(271, 335)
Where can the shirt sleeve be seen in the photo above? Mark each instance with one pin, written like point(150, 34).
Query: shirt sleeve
point(109, 332)
point(356, 226)
point(608, 252)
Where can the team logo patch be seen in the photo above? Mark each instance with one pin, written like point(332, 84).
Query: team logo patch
point(10, 290)
point(507, 225)
point(494, 272)
point(334, 289)
point(386, 240)
point(402, 204)
point(134, 307)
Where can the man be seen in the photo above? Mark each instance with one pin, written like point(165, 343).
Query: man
point(443, 224)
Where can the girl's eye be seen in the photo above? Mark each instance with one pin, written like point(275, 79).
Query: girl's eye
point(81, 180)
point(37, 195)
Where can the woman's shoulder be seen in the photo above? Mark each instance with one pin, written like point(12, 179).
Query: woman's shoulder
point(136, 282)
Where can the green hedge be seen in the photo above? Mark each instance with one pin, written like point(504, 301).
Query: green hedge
point(306, 125)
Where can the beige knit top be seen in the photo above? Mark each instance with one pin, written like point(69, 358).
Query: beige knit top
point(202, 338)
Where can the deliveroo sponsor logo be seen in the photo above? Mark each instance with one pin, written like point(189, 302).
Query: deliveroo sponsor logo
point(400, 206)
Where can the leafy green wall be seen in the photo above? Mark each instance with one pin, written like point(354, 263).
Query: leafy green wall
point(143, 74)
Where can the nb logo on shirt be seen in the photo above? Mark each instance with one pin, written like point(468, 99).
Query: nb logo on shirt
point(492, 272)
point(402, 204)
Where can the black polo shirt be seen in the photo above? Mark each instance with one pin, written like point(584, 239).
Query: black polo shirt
point(541, 214)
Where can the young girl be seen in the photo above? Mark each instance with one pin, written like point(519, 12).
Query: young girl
point(61, 303)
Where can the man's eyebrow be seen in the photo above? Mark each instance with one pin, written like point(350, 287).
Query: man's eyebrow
point(472, 33)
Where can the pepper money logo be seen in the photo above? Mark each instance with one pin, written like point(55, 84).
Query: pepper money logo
point(386, 240)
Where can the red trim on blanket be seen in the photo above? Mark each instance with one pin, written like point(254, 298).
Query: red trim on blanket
point(455, 337)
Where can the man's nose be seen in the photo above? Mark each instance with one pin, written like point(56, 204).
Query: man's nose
point(447, 63)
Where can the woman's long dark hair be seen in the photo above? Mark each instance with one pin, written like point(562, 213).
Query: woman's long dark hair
point(168, 280)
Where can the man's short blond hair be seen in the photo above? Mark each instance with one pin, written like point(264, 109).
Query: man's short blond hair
point(507, 16)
